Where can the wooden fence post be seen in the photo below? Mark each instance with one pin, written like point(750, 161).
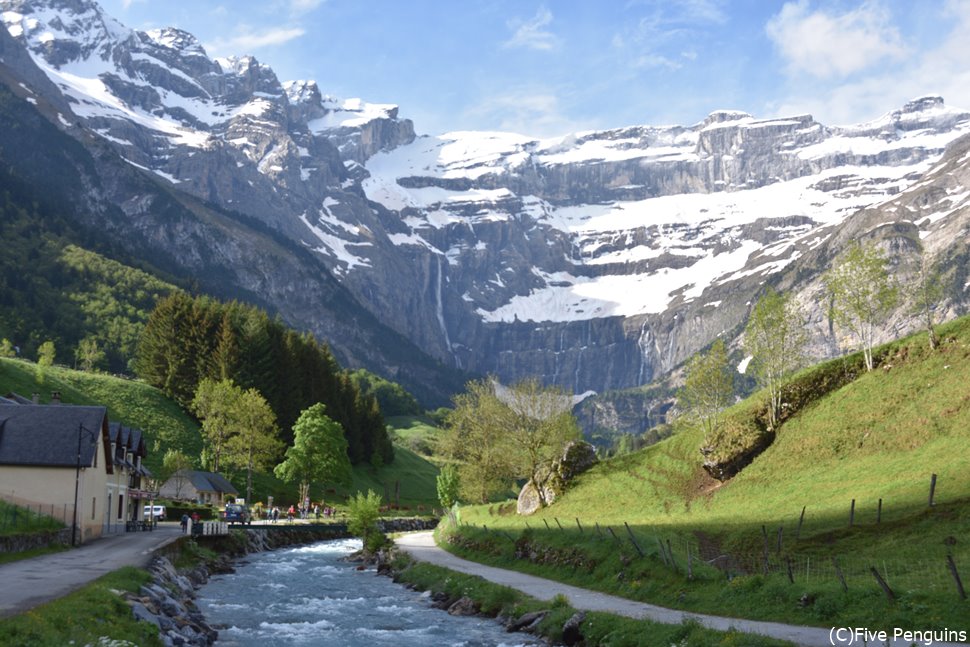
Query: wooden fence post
point(885, 587)
point(852, 513)
point(598, 531)
point(663, 553)
point(579, 525)
point(838, 571)
point(956, 577)
point(932, 488)
point(547, 524)
point(670, 551)
point(879, 512)
point(690, 564)
point(764, 532)
point(556, 519)
point(633, 539)
point(614, 535)
point(791, 576)
point(780, 530)
point(798, 531)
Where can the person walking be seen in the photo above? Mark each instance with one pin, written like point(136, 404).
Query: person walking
point(185, 522)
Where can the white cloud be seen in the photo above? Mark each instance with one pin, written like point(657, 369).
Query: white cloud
point(664, 35)
point(247, 40)
point(531, 33)
point(526, 110)
point(828, 45)
point(943, 70)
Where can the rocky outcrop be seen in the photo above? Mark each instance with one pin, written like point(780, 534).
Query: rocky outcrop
point(576, 458)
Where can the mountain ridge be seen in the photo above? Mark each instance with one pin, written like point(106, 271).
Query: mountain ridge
point(599, 260)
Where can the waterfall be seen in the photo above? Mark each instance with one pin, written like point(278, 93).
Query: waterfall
point(439, 309)
point(643, 343)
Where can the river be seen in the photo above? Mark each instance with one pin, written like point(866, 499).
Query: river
point(309, 596)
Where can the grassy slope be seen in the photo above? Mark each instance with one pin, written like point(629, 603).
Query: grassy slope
point(880, 437)
point(139, 405)
point(418, 433)
point(131, 402)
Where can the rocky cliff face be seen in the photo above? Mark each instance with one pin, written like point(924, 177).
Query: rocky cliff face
point(596, 261)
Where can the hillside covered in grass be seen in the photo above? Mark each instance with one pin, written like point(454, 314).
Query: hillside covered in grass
point(129, 402)
point(167, 425)
point(873, 438)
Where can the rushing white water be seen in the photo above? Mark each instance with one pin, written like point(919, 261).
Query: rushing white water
point(308, 596)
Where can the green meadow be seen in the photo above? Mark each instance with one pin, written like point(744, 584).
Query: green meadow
point(652, 525)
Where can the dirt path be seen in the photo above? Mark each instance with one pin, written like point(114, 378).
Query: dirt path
point(422, 547)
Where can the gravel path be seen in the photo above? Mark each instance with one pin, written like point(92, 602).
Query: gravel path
point(422, 547)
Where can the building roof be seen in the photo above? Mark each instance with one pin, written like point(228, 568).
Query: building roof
point(47, 435)
point(210, 482)
point(16, 398)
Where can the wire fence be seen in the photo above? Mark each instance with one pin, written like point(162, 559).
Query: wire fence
point(15, 519)
point(775, 553)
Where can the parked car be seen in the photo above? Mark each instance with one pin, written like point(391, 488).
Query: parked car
point(237, 513)
point(156, 511)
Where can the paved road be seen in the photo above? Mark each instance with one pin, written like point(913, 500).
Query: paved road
point(29, 582)
point(422, 547)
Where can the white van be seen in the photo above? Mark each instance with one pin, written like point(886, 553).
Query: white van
point(156, 511)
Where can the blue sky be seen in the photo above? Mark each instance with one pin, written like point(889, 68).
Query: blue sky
point(553, 67)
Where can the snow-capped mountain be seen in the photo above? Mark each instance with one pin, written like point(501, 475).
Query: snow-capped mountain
point(598, 260)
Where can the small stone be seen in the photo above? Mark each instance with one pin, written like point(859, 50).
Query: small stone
point(527, 621)
point(571, 631)
point(464, 606)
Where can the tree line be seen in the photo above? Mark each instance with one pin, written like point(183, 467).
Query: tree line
point(188, 339)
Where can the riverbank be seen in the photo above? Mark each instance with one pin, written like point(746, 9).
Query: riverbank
point(87, 602)
point(178, 570)
point(555, 617)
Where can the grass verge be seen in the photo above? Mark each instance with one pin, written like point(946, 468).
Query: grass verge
point(598, 629)
point(92, 615)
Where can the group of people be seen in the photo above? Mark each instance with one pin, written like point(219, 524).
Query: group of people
point(303, 512)
point(273, 515)
point(185, 520)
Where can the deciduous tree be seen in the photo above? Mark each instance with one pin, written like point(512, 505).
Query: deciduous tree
point(448, 486)
point(863, 294)
point(708, 388)
point(88, 354)
point(215, 404)
point(539, 423)
point(175, 466)
point(926, 293)
point(363, 512)
point(475, 439)
point(46, 354)
point(256, 441)
point(319, 452)
point(775, 337)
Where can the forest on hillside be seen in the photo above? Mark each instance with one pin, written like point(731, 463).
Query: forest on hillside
point(188, 339)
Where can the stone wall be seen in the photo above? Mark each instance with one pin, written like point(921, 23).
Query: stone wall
point(29, 541)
